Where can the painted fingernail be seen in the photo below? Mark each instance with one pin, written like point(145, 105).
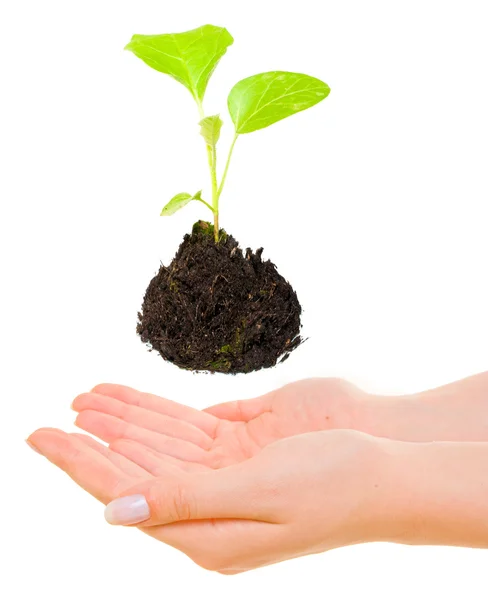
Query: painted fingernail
point(127, 511)
point(31, 445)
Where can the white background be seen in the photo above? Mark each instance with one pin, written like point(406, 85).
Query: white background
point(373, 204)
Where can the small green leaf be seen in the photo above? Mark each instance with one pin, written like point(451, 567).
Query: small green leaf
point(261, 100)
point(189, 57)
point(179, 201)
point(210, 129)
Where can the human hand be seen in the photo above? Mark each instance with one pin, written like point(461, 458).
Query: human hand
point(166, 442)
point(140, 426)
point(300, 495)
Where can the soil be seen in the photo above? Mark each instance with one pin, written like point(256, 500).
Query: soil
point(217, 309)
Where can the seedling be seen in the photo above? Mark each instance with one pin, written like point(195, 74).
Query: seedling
point(254, 103)
point(216, 308)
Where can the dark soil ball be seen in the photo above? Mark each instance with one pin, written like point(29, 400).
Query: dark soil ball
point(217, 309)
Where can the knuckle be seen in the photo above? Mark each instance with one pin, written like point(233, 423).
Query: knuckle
point(75, 454)
point(70, 458)
point(124, 430)
point(175, 503)
point(122, 411)
point(120, 444)
point(182, 503)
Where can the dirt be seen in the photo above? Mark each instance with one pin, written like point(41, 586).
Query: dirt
point(217, 309)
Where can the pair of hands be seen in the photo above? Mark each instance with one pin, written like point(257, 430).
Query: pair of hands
point(304, 469)
point(234, 486)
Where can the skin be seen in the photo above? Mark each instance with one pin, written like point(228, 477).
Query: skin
point(316, 465)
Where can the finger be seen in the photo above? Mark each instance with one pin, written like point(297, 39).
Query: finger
point(241, 410)
point(122, 462)
point(109, 429)
point(237, 492)
point(87, 467)
point(203, 421)
point(143, 418)
point(150, 460)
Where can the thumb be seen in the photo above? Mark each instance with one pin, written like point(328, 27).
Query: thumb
point(230, 493)
point(240, 410)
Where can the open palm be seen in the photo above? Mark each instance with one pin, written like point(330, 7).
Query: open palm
point(107, 475)
point(150, 437)
point(143, 427)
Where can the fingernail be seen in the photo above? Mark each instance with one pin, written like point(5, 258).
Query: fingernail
point(31, 445)
point(127, 511)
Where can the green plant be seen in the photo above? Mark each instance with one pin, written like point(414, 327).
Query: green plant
point(254, 103)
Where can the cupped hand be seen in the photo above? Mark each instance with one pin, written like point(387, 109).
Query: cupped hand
point(140, 426)
point(300, 495)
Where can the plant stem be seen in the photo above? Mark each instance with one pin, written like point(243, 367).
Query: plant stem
point(206, 203)
point(216, 188)
point(221, 187)
point(212, 163)
point(215, 192)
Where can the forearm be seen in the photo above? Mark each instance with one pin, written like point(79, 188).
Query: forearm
point(455, 412)
point(434, 494)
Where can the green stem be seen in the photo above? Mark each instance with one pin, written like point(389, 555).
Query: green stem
point(215, 191)
point(221, 187)
point(206, 204)
point(212, 163)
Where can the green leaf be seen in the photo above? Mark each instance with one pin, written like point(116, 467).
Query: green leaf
point(189, 57)
point(210, 129)
point(179, 201)
point(261, 100)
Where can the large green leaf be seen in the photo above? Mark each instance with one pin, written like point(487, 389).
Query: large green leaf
point(210, 129)
point(261, 100)
point(179, 201)
point(189, 57)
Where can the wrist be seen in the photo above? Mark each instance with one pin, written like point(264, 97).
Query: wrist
point(433, 493)
point(455, 412)
point(398, 418)
point(418, 418)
